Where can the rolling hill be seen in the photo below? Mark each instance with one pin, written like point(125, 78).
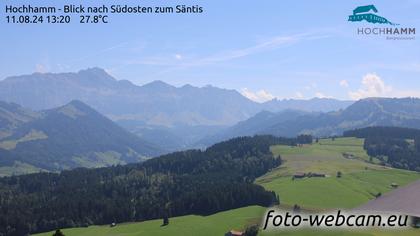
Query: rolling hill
point(73, 135)
point(359, 183)
point(252, 126)
point(12, 115)
point(201, 182)
point(360, 179)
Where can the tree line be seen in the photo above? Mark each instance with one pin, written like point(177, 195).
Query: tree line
point(394, 146)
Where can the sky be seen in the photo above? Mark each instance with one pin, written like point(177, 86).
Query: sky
point(264, 49)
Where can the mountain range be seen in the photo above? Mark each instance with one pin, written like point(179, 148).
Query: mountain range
point(70, 136)
point(398, 112)
point(58, 127)
point(172, 117)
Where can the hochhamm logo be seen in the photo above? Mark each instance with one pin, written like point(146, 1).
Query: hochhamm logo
point(369, 14)
point(365, 13)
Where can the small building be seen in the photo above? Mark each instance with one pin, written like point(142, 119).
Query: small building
point(299, 175)
point(234, 233)
point(348, 155)
point(317, 175)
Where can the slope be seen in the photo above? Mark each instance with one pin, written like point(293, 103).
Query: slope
point(72, 136)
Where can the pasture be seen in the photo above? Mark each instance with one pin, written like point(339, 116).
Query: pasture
point(360, 180)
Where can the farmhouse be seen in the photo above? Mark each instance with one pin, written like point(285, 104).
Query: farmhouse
point(316, 175)
point(348, 155)
point(234, 233)
point(299, 175)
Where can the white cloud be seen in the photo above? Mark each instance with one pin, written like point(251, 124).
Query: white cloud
point(265, 45)
point(321, 95)
point(178, 56)
point(299, 95)
point(372, 86)
point(258, 96)
point(100, 52)
point(344, 83)
point(41, 68)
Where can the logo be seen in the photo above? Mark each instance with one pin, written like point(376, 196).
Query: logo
point(369, 14)
point(365, 13)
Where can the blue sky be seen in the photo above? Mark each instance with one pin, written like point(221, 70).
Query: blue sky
point(264, 49)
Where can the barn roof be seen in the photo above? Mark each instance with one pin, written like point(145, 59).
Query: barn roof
point(363, 9)
point(404, 200)
point(236, 233)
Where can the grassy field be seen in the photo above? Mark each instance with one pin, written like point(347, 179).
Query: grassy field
point(31, 136)
point(217, 224)
point(359, 183)
point(19, 168)
point(371, 232)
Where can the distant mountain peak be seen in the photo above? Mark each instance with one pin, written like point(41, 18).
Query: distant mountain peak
point(187, 86)
point(96, 74)
point(77, 103)
point(74, 109)
point(158, 84)
point(93, 70)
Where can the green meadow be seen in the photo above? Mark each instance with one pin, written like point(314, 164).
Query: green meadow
point(361, 179)
point(370, 232)
point(217, 224)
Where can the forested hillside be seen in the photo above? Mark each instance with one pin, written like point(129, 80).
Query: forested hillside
point(189, 182)
point(66, 137)
point(394, 146)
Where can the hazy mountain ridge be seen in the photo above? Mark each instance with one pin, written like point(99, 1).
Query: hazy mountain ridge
point(252, 126)
point(310, 105)
point(73, 135)
point(181, 115)
point(156, 103)
point(399, 112)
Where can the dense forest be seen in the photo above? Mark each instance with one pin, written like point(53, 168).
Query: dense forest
point(383, 131)
point(189, 182)
point(394, 146)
